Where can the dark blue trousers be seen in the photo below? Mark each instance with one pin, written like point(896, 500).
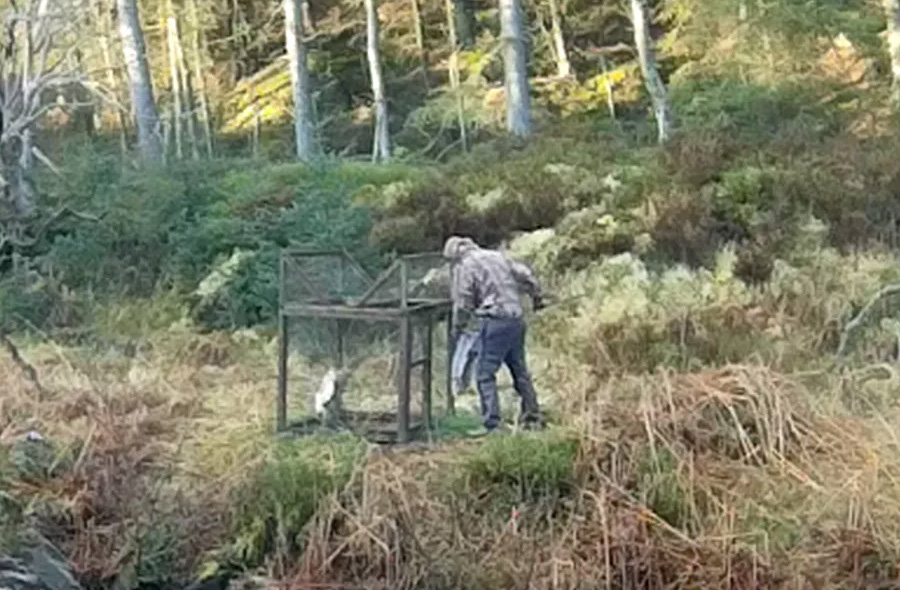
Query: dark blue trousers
point(502, 341)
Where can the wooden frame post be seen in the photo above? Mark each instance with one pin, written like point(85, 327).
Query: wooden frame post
point(451, 350)
point(403, 380)
point(283, 350)
point(427, 346)
point(341, 329)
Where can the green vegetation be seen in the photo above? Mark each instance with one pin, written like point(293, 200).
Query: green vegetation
point(282, 495)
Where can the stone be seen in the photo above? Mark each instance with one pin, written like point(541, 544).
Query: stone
point(35, 564)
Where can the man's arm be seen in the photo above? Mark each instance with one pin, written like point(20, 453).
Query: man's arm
point(466, 287)
point(529, 282)
point(462, 291)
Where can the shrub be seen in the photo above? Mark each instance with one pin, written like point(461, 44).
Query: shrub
point(696, 157)
point(512, 470)
point(172, 228)
point(281, 495)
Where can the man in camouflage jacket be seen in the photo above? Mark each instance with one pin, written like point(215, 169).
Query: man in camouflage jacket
point(487, 284)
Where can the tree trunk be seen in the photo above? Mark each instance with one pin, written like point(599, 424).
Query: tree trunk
point(23, 188)
point(296, 50)
point(84, 110)
point(188, 108)
point(453, 67)
point(563, 65)
point(420, 40)
point(610, 99)
point(175, 76)
point(518, 99)
point(892, 12)
point(652, 80)
point(381, 150)
point(465, 23)
point(198, 49)
point(309, 24)
point(106, 27)
point(148, 125)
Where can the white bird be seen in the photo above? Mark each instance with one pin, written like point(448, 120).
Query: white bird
point(327, 391)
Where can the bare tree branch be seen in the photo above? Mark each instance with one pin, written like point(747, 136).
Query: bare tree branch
point(42, 157)
point(857, 321)
point(26, 368)
point(34, 63)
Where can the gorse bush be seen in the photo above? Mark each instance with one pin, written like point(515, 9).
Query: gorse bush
point(629, 317)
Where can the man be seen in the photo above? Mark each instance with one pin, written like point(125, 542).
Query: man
point(488, 284)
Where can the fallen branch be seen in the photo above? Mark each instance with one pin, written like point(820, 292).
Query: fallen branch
point(857, 321)
point(26, 368)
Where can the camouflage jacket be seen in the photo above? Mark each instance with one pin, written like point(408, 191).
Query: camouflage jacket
point(487, 283)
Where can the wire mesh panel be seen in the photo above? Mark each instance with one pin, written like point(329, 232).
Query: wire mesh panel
point(411, 277)
point(367, 348)
point(321, 277)
point(427, 276)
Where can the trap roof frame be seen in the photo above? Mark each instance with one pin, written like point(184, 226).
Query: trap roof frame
point(406, 311)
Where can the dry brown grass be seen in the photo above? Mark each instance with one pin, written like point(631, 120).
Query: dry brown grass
point(739, 477)
point(143, 434)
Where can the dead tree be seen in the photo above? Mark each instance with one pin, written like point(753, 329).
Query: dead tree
point(453, 67)
point(36, 51)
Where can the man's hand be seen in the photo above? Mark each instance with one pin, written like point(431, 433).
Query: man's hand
point(543, 301)
point(455, 332)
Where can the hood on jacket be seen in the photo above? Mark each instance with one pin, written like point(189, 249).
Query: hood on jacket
point(456, 246)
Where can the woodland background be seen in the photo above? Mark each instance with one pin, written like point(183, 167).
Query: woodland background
point(711, 187)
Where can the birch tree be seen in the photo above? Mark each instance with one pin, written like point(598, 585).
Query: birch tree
point(381, 150)
point(515, 72)
point(105, 30)
point(198, 51)
point(892, 12)
point(419, 30)
point(177, 90)
point(560, 53)
point(659, 96)
point(133, 49)
point(185, 84)
point(453, 67)
point(298, 64)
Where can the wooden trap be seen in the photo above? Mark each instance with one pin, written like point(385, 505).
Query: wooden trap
point(331, 287)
